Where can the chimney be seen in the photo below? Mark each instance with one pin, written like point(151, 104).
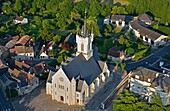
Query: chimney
point(1, 63)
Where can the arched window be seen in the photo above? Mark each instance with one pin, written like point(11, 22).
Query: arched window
point(82, 47)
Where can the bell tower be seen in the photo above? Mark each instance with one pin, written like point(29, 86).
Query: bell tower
point(84, 42)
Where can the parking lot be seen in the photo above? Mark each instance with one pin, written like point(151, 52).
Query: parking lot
point(39, 101)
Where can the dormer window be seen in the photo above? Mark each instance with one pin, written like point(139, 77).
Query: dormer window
point(136, 76)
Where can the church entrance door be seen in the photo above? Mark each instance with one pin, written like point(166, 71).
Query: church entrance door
point(61, 98)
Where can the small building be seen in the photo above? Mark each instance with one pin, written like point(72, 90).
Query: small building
point(147, 35)
point(145, 18)
point(115, 54)
point(43, 53)
point(145, 82)
point(20, 20)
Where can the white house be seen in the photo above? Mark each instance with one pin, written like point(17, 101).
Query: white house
point(78, 78)
point(147, 35)
point(145, 82)
point(21, 20)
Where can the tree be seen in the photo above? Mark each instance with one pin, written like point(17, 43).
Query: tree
point(56, 38)
point(118, 10)
point(18, 6)
point(128, 102)
point(156, 104)
point(130, 51)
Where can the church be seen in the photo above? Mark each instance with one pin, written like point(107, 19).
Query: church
point(78, 78)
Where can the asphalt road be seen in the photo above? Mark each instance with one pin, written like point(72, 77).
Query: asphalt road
point(5, 105)
point(148, 60)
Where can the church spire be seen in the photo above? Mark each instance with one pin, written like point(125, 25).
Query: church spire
point(85, 26)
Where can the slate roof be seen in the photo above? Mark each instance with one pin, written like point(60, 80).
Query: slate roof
point(144, 31)
point(79, 85)
point(79, 66)
point(51, 73)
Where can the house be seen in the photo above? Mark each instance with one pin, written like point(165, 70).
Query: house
point(115, 54)
point(45, 49)
point(24, 49)
point(43, 53)
point(146, 82)
point(26, 82)
point(78, 78)
point(145, 18)
point(4, 52)
point(40, 68)
point(20, 20)
point(118, 20)
point(147, 35)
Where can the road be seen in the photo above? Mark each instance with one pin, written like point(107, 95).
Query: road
point(149, 60)
point(5, 105)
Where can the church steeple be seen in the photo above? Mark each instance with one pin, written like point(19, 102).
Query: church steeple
point(85, 26)
point(84, 41)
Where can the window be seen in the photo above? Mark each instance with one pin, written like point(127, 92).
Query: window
point(61, 86)
point(77, 95)
point(82, 47)
point(77, 100)
point(55, 85)
point(55, 93)
point(67, 89)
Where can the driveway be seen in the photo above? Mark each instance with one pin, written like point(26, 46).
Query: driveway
point(37, 100)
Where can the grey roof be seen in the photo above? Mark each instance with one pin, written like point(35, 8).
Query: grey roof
point(2, 49)
point(145, 18)
point(126, 18)
point(51, 73)
point(86, 69)
point(144, 31)
point(10, 44)
point(79, 85)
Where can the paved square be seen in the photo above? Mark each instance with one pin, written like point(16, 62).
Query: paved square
point(39, 101)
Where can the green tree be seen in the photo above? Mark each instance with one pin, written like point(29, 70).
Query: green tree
point(156, 104)
point(128, 102)
point(56, 38)
point(118, 10)
point(130, 51)
point(18, 6)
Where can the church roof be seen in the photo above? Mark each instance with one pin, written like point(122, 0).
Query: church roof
point(86, 69)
